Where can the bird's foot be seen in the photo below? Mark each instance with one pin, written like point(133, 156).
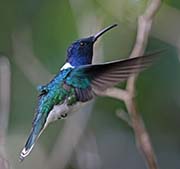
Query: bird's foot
point(63, 116)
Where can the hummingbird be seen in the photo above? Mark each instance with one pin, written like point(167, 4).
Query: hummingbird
point(77, 83)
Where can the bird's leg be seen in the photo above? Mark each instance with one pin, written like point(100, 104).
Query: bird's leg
point(63, 116)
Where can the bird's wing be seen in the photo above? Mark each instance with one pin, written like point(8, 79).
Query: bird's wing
point(102, 76)
point(81, 84)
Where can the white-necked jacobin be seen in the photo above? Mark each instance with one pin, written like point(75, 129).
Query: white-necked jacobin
point(77, 83)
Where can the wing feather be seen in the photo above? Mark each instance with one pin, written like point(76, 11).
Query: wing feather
point(109, 74)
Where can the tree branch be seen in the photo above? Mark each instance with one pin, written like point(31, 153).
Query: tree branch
point(127, 95)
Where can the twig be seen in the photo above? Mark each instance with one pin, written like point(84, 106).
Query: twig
point(127, 95)
point(124, 116)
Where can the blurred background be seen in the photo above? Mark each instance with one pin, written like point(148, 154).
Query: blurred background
point(34, 36)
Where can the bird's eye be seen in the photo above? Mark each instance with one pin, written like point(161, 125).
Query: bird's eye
point(82, 43)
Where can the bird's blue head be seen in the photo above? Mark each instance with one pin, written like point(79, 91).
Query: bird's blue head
point(81, 51)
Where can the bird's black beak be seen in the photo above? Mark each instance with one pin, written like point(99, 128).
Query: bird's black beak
point(97, 35)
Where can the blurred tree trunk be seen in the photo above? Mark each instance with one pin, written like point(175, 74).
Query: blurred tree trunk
point(4, 108)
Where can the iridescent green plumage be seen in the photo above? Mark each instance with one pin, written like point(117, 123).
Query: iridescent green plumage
point(54, 93)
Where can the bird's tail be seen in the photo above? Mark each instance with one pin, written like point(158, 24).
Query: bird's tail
point(34, 134)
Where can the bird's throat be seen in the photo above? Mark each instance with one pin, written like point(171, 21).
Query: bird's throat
point(66, 66)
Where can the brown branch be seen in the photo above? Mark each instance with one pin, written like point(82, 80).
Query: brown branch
point(141, 134)
point(127, 95)
point(114, 93)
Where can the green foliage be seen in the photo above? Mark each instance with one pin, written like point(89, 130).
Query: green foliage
point(173, 3)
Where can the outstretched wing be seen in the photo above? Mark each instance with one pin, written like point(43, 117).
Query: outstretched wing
point(102, 76)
